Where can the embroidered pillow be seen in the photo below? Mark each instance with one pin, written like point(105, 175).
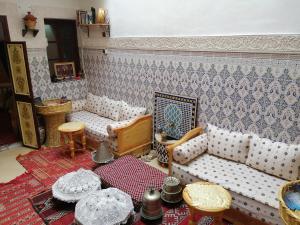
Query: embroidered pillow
point(275, 158)
point(110, 108)
point(128, 112)
point(78, 105)
point(190, 149)
point(93, 103)
point(226, 144)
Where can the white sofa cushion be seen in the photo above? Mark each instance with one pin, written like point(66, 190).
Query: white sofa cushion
point(111, 127)
point(128, 112)
point(93, 103)
point(226, 144)
point(244, 204)
point(275, 158)
point(236, 177)
point(78, 105)
point(110, 108)
point(94, 124)
point(190, 149)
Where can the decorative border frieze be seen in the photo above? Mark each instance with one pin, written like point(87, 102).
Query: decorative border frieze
point(289, 44)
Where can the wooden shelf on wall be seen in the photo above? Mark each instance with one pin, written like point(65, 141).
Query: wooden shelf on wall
point(105, 27)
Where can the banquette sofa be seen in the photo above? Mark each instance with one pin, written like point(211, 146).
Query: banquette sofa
point(126, 128)
point(250, 167)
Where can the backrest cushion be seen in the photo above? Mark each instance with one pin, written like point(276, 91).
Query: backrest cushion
point(190, 149)
point(129, 112)
point(110, 108)
point(93, 103)
point(275, 158)
point(226, 144)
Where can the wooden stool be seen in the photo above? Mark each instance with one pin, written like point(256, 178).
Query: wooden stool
point(70, 130)
point(207, 205)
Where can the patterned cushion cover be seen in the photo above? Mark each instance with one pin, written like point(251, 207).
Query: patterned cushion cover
point(93, 103)
point(190, 149)
point(236, 177)
point(245, 204)
point(111, 127)
point(228, 145)
point(110, 108)
point(95, 125)
point(78, 105)
point(128, 112)
point(132, 176)
point(275, 158)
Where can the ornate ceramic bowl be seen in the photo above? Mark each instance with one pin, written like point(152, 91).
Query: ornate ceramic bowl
point(75, 185)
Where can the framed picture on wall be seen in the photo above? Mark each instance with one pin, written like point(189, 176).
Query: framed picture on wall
point(64, 70)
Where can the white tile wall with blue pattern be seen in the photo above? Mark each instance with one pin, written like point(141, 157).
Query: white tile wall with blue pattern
point(241, 93)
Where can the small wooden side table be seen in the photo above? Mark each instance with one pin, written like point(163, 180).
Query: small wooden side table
point(70, 130)
point(207, 205)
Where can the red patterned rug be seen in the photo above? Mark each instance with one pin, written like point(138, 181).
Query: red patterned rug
point(15, 208)
point(48, 164)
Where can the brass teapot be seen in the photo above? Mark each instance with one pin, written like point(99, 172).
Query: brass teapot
point(151, 206)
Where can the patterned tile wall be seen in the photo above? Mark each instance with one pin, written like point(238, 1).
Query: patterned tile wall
point(41, 82)
point(238, 93)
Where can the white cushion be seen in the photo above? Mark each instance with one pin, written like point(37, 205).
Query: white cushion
point(128, 112)
point(275, 158)
point(236, 177)
point(110, 108)
point(247, 205)
point(95, 125)
point(190, 149)
point(228, 145)
point(120, 124)
point(78, 105)
point(93, 103)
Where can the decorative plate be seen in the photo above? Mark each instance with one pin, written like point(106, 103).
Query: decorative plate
point(75, 185)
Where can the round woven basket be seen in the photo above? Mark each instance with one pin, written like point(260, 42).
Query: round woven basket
point(290, 217)
point(54, 106)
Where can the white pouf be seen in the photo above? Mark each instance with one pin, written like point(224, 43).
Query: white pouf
point(75, 185)
point(109, 206)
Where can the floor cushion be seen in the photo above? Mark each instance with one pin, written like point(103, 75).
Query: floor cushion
point(132, 176)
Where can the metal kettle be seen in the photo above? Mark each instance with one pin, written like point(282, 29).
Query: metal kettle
point(151, 206)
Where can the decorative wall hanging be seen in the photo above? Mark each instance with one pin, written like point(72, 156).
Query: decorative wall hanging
point(175, 115)
point(18, 68)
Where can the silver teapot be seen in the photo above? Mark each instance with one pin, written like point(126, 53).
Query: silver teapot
point(151, 206)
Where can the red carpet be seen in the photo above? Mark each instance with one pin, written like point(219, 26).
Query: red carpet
point(15, 208)
point(48, 164)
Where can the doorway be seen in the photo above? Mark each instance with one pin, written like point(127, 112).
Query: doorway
point(9, 131)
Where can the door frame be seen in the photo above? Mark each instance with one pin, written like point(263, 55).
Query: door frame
point(3, 21)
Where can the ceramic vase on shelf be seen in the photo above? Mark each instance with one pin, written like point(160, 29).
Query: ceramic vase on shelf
point(30, 21)
point(101, 16)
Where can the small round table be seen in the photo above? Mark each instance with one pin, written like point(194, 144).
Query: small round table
point(70, 130)
point(207, 199)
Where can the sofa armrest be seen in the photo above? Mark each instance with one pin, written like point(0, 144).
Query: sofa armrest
point(133, 134)
point(78, 105)
point(189, 135)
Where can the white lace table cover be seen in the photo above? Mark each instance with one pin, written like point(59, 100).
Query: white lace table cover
point(109, 206)
point(76, 185)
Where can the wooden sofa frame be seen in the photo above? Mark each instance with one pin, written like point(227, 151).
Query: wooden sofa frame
point(134, 138)
point(234, 216)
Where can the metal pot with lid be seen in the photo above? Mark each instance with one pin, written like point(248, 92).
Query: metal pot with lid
point(151, 207)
